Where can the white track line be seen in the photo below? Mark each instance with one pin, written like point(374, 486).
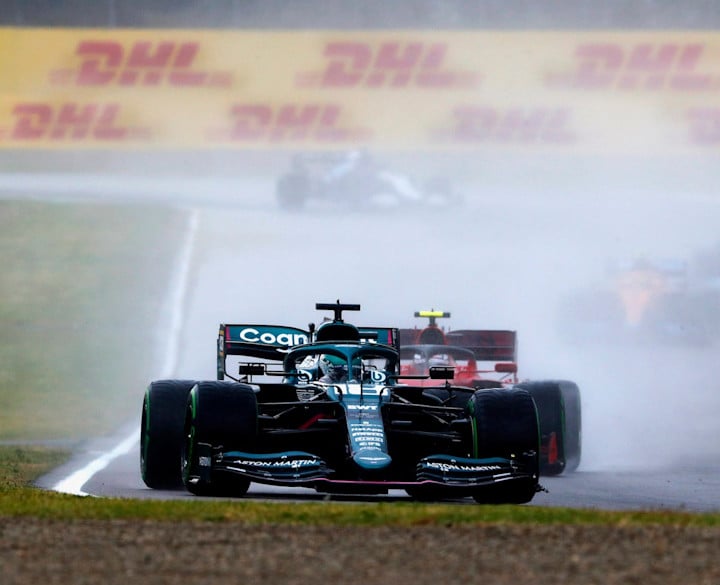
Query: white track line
point(176, 305)
point(73, 483)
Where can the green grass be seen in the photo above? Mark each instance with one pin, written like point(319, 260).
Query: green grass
point(20, 465)
point(80, 291)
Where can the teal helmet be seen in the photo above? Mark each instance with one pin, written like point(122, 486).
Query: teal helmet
point(333, 365)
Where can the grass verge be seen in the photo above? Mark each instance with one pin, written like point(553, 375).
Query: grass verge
point(20, 465)
point(81, 291)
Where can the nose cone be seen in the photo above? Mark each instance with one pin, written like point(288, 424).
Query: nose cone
point(372, 459)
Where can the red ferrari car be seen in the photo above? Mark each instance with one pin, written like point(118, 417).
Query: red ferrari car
point(468, 352)
point(487, 358)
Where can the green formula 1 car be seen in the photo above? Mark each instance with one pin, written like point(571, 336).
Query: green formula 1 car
point(329, 409)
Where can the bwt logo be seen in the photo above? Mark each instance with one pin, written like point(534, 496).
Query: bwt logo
point(143, 63)
point(643, 66)
point(388, 65)
point(477, 124)
point(704, 126)
point(289, 123)
point(71, 121)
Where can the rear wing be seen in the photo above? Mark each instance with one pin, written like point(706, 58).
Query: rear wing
point(272, 342)
point(260, 340)
point(269, 342)
point(490, 345)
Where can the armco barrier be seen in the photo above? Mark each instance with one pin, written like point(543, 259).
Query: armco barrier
point(595, 92)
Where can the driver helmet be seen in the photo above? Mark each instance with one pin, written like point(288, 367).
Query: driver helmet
point(334, 367)
point(439, 360)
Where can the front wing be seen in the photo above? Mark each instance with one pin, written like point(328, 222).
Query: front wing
point(301, 469)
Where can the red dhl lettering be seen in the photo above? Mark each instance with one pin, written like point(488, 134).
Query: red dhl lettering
point(643, 66)
point(70, 121)
point(513, 125)
point(289, 123)
point(389, 65)
point(144, 63)
point(704, 126)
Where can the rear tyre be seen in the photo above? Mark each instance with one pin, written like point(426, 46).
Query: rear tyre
point(573, 425)
point(161, 433)
point(505, 425)
point(219, 415)
point(559, 413)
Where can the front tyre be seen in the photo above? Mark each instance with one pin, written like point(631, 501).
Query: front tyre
point(505, 424)
point(161, 433)
point(219, 416)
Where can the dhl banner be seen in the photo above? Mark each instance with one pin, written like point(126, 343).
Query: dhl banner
point(596, 92)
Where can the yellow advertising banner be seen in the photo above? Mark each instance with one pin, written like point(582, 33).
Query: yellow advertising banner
point(597, 92)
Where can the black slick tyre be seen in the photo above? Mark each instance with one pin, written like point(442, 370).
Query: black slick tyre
point(161, 433)
point(219, 415)
point(573, 426)
point(559, 413)
point(505, 424)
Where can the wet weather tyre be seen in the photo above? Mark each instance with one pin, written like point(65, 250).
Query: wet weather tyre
point(559, 413)
point(223, 415)
point(573, 426)
point(505, 424)
point(161, 433)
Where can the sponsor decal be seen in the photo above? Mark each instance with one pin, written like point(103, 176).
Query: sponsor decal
point(305, 394)
point(704, 126)
point(372, 459)
point(377, 377)
point(641, 66)
point(445, 466)
point(511, 125)
point(389, 64)
point(289, 123)
point(141, 63)
point(282, 463)
point(253, 335)
point(362, 407)
point(72, 121)
point(366, 436)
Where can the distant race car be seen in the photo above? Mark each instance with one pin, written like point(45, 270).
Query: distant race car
point(341, 418)
point(657, 302)
point(353, 180)
point(483, 358)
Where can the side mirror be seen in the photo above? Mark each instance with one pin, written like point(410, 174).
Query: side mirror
point(506, 368)
point(251, 369)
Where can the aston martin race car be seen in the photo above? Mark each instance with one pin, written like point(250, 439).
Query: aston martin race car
point(354, 180)
point(485, 358)
point(328, 408)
